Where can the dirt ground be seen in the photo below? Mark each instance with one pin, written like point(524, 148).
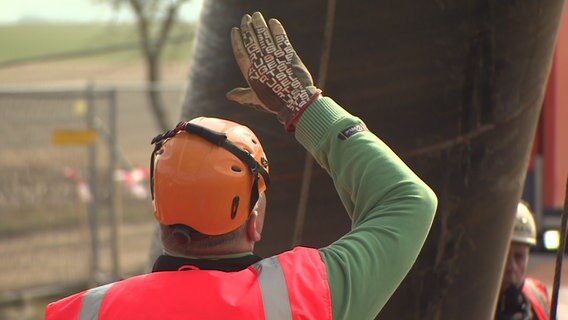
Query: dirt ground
point(134, 259)
point(78, 72)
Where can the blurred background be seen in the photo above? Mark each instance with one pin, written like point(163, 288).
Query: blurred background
point(86, 84)
point(80, 100)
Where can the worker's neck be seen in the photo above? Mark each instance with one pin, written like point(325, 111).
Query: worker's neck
point(222, 251)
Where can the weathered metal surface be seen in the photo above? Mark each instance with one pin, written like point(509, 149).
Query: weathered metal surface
point(455, 88)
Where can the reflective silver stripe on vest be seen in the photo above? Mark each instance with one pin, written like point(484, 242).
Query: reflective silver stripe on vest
point(92, 302)
point(274, 290)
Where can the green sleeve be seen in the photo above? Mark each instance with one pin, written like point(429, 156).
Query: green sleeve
point(390, 207)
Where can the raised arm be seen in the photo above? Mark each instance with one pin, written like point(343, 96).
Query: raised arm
point(391, 208)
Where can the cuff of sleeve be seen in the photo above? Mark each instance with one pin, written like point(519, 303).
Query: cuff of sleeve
point(316, 121)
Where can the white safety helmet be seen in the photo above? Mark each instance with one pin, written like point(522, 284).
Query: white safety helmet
point(524, 230)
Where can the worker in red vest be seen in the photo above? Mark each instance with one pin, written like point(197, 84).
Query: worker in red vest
point(209, 178)
point(522, 297)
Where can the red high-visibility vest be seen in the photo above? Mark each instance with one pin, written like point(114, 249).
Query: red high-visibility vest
point(535, 291)
point(291, 285)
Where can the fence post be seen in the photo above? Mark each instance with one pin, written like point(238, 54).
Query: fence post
point(92, 179)
point(113, 203)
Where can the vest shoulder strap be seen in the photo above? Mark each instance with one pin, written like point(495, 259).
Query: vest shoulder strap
point(306, 279)
point(536, 293)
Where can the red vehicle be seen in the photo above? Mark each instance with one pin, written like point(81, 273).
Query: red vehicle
point(548, 169)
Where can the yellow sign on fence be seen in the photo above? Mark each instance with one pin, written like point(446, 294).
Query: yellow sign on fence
point(73, 136)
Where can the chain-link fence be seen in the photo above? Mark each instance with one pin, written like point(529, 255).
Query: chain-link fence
point(74, 202)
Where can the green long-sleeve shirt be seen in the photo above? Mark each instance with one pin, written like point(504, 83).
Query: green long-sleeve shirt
point(391, 209)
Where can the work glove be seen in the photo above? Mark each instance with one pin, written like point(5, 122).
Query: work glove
point(278, 81)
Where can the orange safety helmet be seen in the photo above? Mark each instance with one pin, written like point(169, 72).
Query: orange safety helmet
point(205, 175)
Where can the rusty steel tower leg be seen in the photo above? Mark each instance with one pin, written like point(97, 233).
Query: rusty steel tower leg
point(453, 87)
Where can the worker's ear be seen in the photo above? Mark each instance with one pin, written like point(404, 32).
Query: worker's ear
point(253, 233)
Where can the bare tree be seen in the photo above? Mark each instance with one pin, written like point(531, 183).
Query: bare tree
point(155, 20)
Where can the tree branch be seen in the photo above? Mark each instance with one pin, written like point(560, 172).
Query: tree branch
point(143, 26)
point(167, 25)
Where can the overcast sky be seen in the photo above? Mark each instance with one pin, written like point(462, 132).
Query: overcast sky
point(15, 11)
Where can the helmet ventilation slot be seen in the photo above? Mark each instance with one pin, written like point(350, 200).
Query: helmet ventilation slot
point(234, 207)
